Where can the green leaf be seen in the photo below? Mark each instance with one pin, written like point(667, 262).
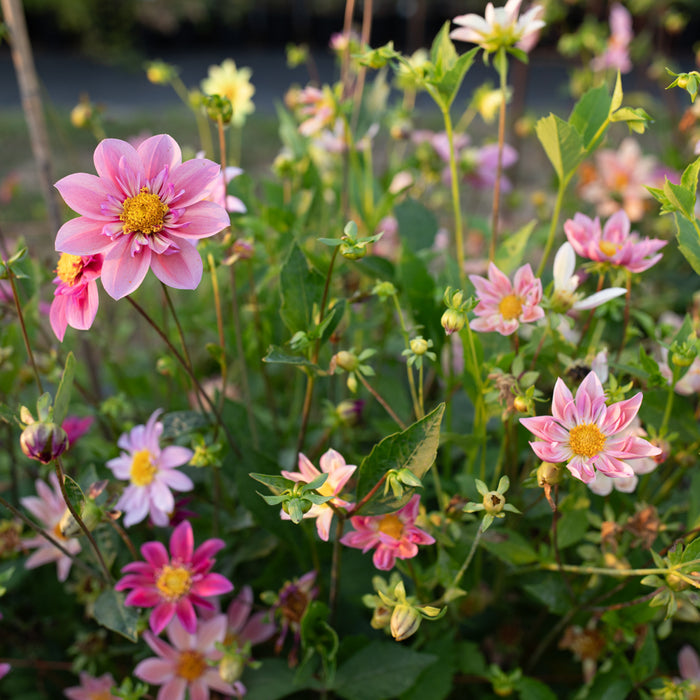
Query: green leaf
point(689, 179)
point(471, 660)
point(317, 636)
point(271, 681)
point(276, 355)
point(443, 54)
point(60, 404)
point(111, 613)
point(571, 528)
point(550, 590)
point(635, 118)
point(590, 114)
point(178, 423)
point(511, 249)
point(688, 241)
point(435, 683)
point(562, 144)
point(380, 670)
point(417, 225)
point(301, 289)
point(275, 482)
point(532, 689)
point(449, 84)
point(683, 200)
point(646, 660)
point(414, 449)
point(75, 493)
point(509, 546)
point(616, 102)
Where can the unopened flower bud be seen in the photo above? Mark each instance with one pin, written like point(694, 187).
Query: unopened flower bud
point(351, 383)
point(381, 617)
point(218, 108)
point(242, 249)
point(384, 290)
point(452, 321)
point(80, 115)
point(350, 411)
point(520, 404)
point(493, 502)
point(549, 473)
point(353, 251)
point(231, 668)
point(43, 441)
point(405, 621)
point(346, 360)
point(419, 346)
point(160, 73)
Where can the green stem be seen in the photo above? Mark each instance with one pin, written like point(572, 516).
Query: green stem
point(421, 403)
point(502, 62)
point(205, 138)
point(563, 184)
point(335, 567)
point(468, 560)
point(670, 396)
point(409, 370)
point(383, 403)
point(479, 406)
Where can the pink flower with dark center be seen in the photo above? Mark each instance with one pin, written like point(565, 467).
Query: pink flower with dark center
point(172, 585)
point(614, 244)
point(504, 306)
point(333, 464)
point(145, 208)
point(393, 536)
point(92, 688)
point(48, 508)
point(152, 473)
point(587, 434)
point(183, 666)
point(75, 298)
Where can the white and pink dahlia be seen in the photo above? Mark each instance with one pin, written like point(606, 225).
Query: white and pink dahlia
point(144, 209)
point(589, 435)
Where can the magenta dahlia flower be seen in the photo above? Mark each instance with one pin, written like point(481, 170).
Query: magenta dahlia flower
point(152, 473)
point(393, 536)
point(145, 208)
point(172, 585)
point(504, 306)
point(75, 298)
point(614, 244)
point(587, 434)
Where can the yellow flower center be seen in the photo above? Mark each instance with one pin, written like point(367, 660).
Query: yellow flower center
point(143, 213)
point(391, 525)
point(143, 471)
point(174, 582)
point(69, 268)
point(608, 248)
point(191, 665)
point(620, 181)
point(326, 489)
point(586, 440)
point(56, 532)
point(510, 307)
point(101, 695)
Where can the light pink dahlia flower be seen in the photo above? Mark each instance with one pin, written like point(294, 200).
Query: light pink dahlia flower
point(172, 585)
point(587, 434)
point(504, 306)
point(92, 688)
point(614, 244)
point(75, 298)
point(616, 54)
point(333, 464)
point(152, 473)
point(184, 665)
point(48, 508)
point(144, 208)
point(393, 536)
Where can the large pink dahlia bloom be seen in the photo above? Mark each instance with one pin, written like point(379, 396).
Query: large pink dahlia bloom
point(587, 434)
point(173, 584)
point(144, 208)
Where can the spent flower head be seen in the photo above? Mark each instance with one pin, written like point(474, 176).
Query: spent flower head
point(493, 503)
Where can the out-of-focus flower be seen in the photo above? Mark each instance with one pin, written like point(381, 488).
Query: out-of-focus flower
point(566, 283)
point(4, 669)
point(616, 54)
point(219, 193)
point(75, 300)
point(151, 471)
point(393, 536)
point(689, 383)
point(92, 688)
point(614, 244)
point(389, 245)
point(480, 166)
point(172, 585)
point(183, 666)
point(689, 664)
point(333, 464)
point(587, 434)
point(319, 109)
point(245, 627)
point(234, 84)
point(48, 508)
point(76, 427)
point(501, 28)
point(145, 208)
point(504, 306)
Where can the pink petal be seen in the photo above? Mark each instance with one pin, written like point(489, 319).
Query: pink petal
point(181, 269)
point(182, 542)
point(239, 609)
point(85, 194)
point(123, 272)
point(160, 616)
point(186, 615)
point(143, 598)
point(212, 584)
point(82, 236)
point(158, 152)
point(201, 220)
point(112, 157)
point(155, 554)
point(206, 551)
point(155, 671)
point(197, 177)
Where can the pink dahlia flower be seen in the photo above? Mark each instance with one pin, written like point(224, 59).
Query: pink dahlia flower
point(92, 688)
point(172, 585)
point(616, 54)
point(333, 464)
point(48, 508)
point(614, 244)
point(145, 208)
point(183, 666)
point(244, 626)
point(152, 473)
point(393, 536)
point(501, 27)
point(587, 434)
point(504, 306)
point(75, 299)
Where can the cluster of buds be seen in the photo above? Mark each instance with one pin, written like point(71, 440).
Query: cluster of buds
point(295, 497)
point(394, 610)
point(455, 316)
point(352, 246)
point(493, 503)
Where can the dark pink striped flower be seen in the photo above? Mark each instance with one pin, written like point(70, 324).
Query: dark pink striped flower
point(173, 585)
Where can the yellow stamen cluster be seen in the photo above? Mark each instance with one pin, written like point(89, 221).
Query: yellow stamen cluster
point(510, 307)
point(69, 268)
point(143, 213)
point(608, 248)
point(391, 525)
point(191, 665)
point(174, 582)
point(143, 471)
point(586, 440)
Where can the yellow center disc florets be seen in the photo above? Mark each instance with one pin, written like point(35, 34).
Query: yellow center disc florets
point(191, 665)
point(143, 471)
point(391, 525)
point(608, 248)
point(143, 213)
point(510, 307)
point(586, 440)
point(69, 268)
point(174, 582)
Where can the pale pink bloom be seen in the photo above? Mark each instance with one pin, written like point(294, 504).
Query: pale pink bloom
point(689, 383)
point(689, 664)
point(599, 365)
point(614, 244)
point(152, 473)
point(75, 298)
point(92, 688)
point(4, 669)
point(319, 110)
point(48, 508)
point(501, 27)
point(245, 626)
point(172, 585)
point(393, 536)
point(504, 306)
point(184, 665)
point(333, 464)
point(144, 208)
point(587, 434)
point(389, 245)
point(620, 179)
point(482, 165)
point(219, 193)
point(616, 54)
